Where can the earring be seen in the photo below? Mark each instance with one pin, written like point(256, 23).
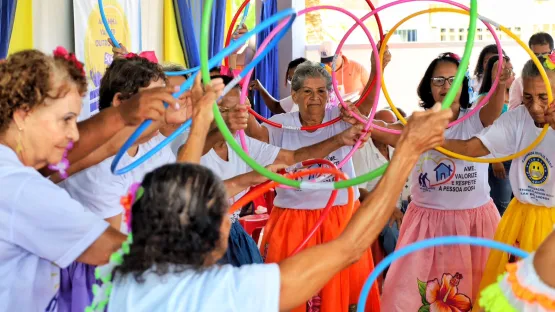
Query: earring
point(19, 147)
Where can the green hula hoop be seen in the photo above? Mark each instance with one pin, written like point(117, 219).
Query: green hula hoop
point(449, 98)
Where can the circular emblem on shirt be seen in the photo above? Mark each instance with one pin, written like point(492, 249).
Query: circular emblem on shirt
point(536, 170)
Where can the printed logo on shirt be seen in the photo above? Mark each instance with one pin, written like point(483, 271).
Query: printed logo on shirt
point(536, 168)
point(443, 176)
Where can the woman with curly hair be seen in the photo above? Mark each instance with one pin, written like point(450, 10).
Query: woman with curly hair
point(180, 230)
point(96, 187)
point(42, 229)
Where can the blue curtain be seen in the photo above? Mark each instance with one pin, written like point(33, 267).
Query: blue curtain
point(188, 16)
point(185, 26)
point(266, 71)
point(217, 35)
point(7, 16)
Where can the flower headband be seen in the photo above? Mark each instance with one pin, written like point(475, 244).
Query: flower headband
point(149, 55)
point(104, 273)
point(550, 61)
point(63, 53)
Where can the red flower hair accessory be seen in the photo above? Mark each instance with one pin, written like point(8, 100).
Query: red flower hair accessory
point(62, 53)
point(149, 55)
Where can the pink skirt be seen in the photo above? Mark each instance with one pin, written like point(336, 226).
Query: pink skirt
point(442, 278)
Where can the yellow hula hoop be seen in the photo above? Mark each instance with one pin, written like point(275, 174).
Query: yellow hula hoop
point(508, 32)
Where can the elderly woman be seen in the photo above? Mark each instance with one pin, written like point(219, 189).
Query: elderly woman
point(450, 198)
point(530, 216)
point(180, 229)
point(42, 229)
point(296, 211)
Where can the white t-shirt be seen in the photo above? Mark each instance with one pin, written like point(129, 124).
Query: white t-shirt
point(367, 159)
point(42, 229)
point(265, 154)
point(288, 105)
point(296, 139)
point(100, 191)
point(530, 175)
point(249, 288)
point(440, 182)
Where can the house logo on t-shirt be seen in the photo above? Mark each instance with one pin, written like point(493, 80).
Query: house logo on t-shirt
point(431, 175)
point(536, 168)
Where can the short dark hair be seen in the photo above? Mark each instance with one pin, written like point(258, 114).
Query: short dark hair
point(176, 223)
point(425, 87)
point(541, 38)
point(126, 76)
point(293, 64)
point(489, 49)
point(487, 82)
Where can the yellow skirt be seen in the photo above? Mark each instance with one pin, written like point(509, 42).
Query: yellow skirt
point(523, 225)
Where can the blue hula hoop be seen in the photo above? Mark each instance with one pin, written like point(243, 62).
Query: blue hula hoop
point(106, 25)
point(217, 59)
point(423, 244)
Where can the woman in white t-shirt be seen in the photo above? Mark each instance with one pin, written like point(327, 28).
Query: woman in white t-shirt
point(530, 216)
point(296, 211)
point(96, 187)
point(180, 229)
point(41, 227)
point(449, 197)
point(285, 105)
point(238, 176)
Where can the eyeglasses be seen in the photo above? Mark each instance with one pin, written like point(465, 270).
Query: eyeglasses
point(449, 55)
point(543, 54)
point(440, 81)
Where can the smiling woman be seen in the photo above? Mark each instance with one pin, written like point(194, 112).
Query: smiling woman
point(40, 98)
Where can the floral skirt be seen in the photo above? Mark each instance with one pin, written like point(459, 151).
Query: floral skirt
point(442, 278)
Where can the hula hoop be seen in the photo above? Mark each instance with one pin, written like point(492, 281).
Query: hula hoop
point(423, 244)
point(331, 122)
point(523, 45)
point(374, 51)
point(107, 25)
point(310, 185)
point(271, 184)
point(189, 82)
point(230, 30)
point(483, 101)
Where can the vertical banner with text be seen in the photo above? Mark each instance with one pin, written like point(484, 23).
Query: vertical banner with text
point(91, 40)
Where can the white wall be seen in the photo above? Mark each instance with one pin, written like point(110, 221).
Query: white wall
point(409, 62)
point(53, 24)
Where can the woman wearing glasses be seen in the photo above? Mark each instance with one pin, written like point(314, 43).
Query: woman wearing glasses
point(449, 197)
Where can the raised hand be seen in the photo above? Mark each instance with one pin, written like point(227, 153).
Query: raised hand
point(118, 52)
point(425, 130)
point(350, 136)
point(507, 72)
point(386, 58)
point(147, 104)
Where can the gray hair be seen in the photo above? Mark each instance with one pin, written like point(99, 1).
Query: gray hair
point(310, 69)
point(530, 69)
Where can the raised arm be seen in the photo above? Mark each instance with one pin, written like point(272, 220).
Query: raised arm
point(203, 116)
point(377, 135)
point(492, 110)
point(304, 274)
point(366, 106)
point(472, 147)
point(320, 150)
point(272, 104)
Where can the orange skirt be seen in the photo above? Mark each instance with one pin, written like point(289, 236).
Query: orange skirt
point(287, 228)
